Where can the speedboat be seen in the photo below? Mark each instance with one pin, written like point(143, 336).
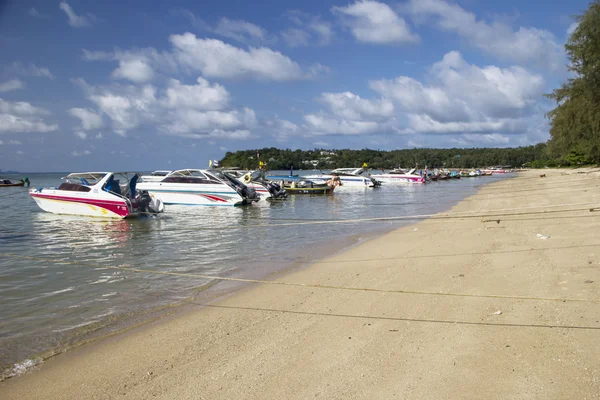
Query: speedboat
point(155, 176)
point(256, 180)
point(399, 176)
point(200, 187)
point(349, 177)
point(98, 194)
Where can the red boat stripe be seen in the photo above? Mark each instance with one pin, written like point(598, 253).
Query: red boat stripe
point(214, 198)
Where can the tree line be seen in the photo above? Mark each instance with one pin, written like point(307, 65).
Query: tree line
point(283, 159)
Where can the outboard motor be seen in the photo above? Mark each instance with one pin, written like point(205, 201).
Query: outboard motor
point(376, 183)
point(249, 195)
point(276, 191)
point(148, 204)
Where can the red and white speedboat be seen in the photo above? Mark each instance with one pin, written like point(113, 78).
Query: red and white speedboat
point(97, 194)
point(399, 176)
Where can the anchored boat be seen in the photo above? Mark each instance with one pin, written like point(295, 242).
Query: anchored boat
point(200, 187)
point(98, 194)
point(399, 176)
point(349, 177)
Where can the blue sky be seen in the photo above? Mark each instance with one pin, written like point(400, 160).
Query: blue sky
point(89, 85)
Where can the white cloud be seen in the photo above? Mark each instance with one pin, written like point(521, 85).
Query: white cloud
point(1, 142)
point(350, 106)
point(135, 65)
point(221, 124)
point(282, 129)
point(98, 136)
point(309, 30)
point(19, 68)
point(22, 117)
point(81, 153)
point(524, 45)
point(321, 144)
point(483, 105)
point(216, 59)
point(375, 22)
point(89, 119)
point(295, 37)
point(33, 12)
point(128, 108)
point(211, 57)
point(21, 108)
point(201, 96)
point(135, 70)
point(15, 142)
point(13, 84)
point(76, 21)
point(572, 28)
point(194, 111)
point(318, 124)
point(239, 30)
point(462, 92)
point(81, 135)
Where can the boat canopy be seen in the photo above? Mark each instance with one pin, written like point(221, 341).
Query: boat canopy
point(89, 178)
point(189, 173)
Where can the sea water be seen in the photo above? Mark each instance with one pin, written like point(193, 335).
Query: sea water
point(58, 286)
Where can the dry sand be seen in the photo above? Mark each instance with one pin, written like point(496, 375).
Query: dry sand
point(292, 342)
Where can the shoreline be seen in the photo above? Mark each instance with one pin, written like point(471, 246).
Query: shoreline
point(211, 291)
point(231, 334)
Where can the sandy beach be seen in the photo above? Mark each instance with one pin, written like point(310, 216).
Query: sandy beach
point(499, 298)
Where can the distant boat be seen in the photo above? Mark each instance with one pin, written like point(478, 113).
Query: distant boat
point(9, 183)
point(307, 187)
point(350, 178)
point(399, 176)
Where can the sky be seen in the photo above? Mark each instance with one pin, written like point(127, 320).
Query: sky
point(149, 84)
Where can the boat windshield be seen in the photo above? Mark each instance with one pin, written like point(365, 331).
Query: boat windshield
point(160, 173)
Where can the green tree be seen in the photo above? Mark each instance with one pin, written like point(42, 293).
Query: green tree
point(575, 122)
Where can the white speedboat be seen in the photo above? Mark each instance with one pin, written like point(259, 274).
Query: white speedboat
point(98, 194)
point(155, 176)
point(399, 176)
point(349, 177)
point(200, 187)
point(256, 180)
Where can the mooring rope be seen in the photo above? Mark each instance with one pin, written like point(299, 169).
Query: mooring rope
point(306, 285)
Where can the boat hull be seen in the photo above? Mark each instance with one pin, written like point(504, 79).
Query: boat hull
point(398, 180)
point(197, 196)
point(12, 184)
point(347, 182)
point(71, 204)
point(313, 190)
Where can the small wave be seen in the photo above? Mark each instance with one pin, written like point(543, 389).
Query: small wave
point(109, 294)
point(106, 314)
point(68, 328)
point(22, 367)
point(59, 291)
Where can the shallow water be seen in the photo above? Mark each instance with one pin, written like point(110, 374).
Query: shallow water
point(48, 306)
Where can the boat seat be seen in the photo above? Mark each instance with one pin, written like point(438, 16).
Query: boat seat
point(116, 187)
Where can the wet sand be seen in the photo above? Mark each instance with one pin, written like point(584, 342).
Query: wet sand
point(447, 308)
